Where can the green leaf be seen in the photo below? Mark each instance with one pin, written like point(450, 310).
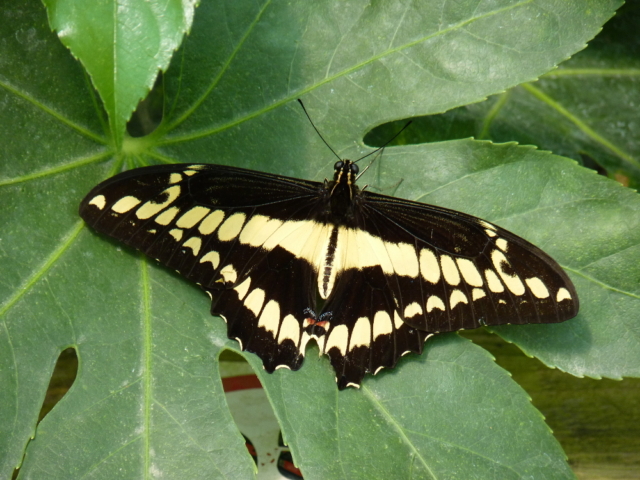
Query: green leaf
point(367, 65)
point(587, 109)
point(122, 45)
point(450, 413)
point(147, 400)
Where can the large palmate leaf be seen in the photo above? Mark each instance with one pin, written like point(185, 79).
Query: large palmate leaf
point(148, 400)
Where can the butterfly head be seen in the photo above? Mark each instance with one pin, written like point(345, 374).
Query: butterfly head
point(343, 189)
point(345, 172)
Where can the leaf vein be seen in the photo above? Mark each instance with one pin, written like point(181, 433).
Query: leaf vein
point(343, 73)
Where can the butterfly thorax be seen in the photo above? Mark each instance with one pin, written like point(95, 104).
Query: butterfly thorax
point(343, 194)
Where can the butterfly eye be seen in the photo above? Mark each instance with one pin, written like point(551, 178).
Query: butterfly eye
point(354, 169)
point(338, 166)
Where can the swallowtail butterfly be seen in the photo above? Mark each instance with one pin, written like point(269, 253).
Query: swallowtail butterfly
point(367, 276)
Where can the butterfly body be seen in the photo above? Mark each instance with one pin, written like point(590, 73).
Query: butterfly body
point(388, 272)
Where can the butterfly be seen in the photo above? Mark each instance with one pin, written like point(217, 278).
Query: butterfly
point(367, 276)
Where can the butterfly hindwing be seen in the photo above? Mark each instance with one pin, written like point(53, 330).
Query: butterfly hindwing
point(367, 331)
point(264, 313)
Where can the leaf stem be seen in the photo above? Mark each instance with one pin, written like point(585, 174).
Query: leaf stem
point(540, 95)
point(601, 72)
point(492, 114)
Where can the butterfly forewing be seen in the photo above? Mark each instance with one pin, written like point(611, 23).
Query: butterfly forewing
point(190, 219)
point(389, 272)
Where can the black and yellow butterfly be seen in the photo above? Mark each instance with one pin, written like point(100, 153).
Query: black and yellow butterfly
point(367, 276)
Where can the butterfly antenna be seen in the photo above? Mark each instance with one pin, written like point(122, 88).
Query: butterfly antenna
point(364, 170)
point(318, 132)
point(387, 142)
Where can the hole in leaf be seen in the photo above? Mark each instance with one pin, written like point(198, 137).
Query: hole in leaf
point(251, 448)
point(286, 466)
point(63, 376)
point(254, 417)
point(149, 112)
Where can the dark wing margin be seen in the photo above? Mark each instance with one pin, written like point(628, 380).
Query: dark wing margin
point(190, 218)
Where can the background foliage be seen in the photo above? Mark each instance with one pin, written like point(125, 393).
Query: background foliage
point(148, 400)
